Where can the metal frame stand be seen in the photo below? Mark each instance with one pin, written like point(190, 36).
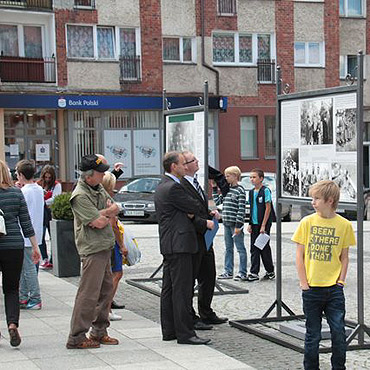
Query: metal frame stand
point(256, 326)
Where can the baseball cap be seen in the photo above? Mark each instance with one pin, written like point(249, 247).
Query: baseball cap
point(93, 162)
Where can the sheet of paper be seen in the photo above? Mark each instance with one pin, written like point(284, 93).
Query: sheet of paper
point(210, 234)
point(262, 240)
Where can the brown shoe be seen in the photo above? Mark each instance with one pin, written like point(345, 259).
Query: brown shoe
point(15, 339)
point(85, 344)
point(105, 339)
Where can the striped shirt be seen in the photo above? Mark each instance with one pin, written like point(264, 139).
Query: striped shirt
point(15, 210)
point(233, 205)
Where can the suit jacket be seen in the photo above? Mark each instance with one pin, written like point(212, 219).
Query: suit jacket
point(176, 231)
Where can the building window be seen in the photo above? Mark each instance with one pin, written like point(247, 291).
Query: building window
point(106, 42)
point(248, 137)
point(128, 42)
point(270, 137)
point(179, 49)
point(80, 41)
point(242, 49)
point(348, 65)
point(351, 8)
point(226, 7)
point(85, 4)
point(309, 54)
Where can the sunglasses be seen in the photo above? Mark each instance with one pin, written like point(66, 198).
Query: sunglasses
point(193, 160)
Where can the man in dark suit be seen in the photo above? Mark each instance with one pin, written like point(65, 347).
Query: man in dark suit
point(178, 241)
point(204, 267)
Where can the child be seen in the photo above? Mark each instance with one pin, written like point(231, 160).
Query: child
point(261, 217)
point(233, 214)
point(322, 241)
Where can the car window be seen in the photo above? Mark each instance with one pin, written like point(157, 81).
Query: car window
point(143, 185)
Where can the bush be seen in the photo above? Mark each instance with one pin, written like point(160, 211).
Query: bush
point(61, 207)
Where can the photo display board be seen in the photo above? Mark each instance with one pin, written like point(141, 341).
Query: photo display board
point(186, 132)
point(319, 142)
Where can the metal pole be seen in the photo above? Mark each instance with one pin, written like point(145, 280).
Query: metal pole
point(360, 197)
point(205, 159)
point(278, 195)
point(164, 108)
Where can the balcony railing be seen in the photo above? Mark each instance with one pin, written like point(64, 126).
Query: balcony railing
point(226, 7)
point(130, 69)
point(21, 69)
point(87, 4)
point(28, 4)
point(266, 71)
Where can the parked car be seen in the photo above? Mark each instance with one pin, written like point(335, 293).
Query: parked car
point(136, 198)
point(270, 182)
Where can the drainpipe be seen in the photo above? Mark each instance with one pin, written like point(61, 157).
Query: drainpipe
point(204, 64)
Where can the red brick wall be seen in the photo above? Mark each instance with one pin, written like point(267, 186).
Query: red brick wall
point(284, 20)
point(62, 17)
point(331, 30)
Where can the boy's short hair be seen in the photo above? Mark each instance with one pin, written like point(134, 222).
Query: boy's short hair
point(259, 172)
point(234, 170)
point(26, 168)
point(326, 189)
point(109, 181)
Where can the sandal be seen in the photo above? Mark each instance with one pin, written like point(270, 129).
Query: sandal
point(15, 339)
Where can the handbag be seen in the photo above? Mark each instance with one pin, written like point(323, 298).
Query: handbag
point(2, 223)
point(133, 252)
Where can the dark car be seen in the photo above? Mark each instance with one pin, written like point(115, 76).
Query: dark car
point(136, 199)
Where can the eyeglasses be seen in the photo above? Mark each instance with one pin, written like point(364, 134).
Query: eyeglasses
point(193, 160)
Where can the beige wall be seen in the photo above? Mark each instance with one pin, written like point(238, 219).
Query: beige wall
point(118, 12)
point(2, 135)
point(256, 16)
point(309, 79)
point(367, 81)
point(178, 17)
point(94, 75)
point(352, 36)
point(309, 22)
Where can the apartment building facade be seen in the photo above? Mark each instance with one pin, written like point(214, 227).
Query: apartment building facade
point(81, 76)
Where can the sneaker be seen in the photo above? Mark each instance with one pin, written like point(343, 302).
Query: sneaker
point(252, 277)
point(225, 275)
point(46, 265)
point(23, 303)
point(240, 277)
point(114, 317)
point(269, 276)
point(34, 305)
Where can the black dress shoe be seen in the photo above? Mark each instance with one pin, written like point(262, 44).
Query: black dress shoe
point(215, 320)
point(200, 325)
point(167, 338)
point(117, 306)
point(193, 340)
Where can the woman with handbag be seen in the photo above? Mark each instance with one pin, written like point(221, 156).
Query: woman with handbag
point(16, 216)
point(52, 188)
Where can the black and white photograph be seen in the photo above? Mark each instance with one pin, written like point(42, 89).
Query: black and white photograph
point(317, 122)
point(290, 172)
point(181, 136)
point(344, 174)
point(311, 173)
point(346, 138)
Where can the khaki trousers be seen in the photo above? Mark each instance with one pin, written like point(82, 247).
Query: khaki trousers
point(93, 299)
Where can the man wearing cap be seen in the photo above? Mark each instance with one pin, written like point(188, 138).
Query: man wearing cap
point(92, 209)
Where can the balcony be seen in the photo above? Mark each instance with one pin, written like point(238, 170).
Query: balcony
point(130, 70)
point(27, 4)
point(21, 69)
point(84, 4)
point(226, 7)
point(266, 71)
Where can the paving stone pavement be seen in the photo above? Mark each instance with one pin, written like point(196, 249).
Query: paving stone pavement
point(250, 349)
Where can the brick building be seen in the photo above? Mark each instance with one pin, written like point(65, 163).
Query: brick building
point(80, 76)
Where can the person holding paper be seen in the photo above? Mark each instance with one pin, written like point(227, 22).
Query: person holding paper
point(260, 222)
point(204, 267)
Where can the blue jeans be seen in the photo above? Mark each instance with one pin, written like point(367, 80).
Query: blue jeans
point(229, 251)
point(29, 288)
point(328, 300)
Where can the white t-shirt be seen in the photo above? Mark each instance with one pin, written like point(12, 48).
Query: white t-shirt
point(34, 195)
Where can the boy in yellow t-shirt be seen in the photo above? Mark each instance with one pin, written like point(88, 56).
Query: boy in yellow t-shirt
point(322, 241)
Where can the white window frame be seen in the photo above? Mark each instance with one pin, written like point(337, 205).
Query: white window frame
point(20, 32)
point(306, 64)
point(254, 48)
point(227, 14)
point(181, 50)
point(363, 6)
point(137, 40)
point(343, 62)
point(255, 155)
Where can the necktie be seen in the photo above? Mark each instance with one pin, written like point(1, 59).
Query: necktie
point(197, 187)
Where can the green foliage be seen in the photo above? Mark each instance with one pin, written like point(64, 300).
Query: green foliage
point(61, 207)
